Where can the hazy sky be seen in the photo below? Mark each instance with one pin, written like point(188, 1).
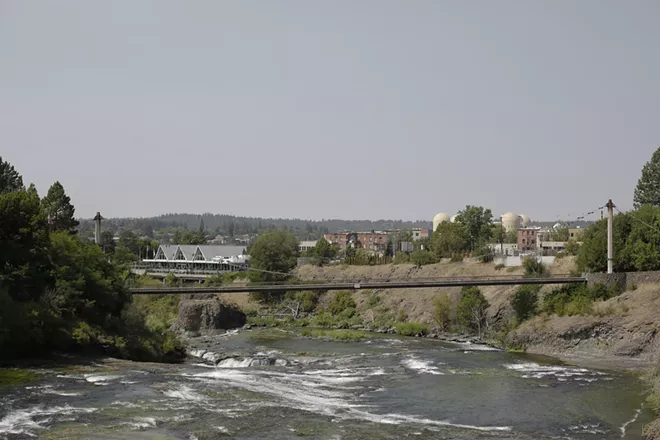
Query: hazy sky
point(345, 108)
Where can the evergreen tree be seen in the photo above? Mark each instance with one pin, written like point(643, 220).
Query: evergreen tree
point(648, 186)
point(10, 180)
point(57, 206)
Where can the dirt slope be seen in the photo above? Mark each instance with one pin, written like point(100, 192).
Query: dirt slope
point(622, 331)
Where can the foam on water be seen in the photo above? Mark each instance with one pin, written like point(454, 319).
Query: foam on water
point(533, 370)
point(632, 420)
point(422, 366)
point(27, 421)
point(185, 393)
point(100, 379)
point(317, 391)
point(141, 423)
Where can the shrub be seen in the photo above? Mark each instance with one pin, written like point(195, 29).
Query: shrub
point(422, 258)
point(534, 268)
point(499, 266)
point(442, 311)
point(373, 301)
point(456, 258)
point(341, 303)
point(401, 258)
point(411, 328)
point(401, 316)
point(307, 299)
point(472, 309)
point(524, 301)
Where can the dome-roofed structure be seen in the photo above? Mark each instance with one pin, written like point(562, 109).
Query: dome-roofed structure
point(510, 221)
point(439, 218)
point(524, 220)
point(453, 218)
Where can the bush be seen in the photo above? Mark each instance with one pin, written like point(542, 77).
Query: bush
point(524, 302)
point(307, 299)
point(458, 258)
point(401, 316)
point(472, 309)
point(401, 258)
point(411, 329)
point(422, 258)
point(576, 299)
point(534, 268)
point(342, 303)
point(499, 266)
point(442, 311)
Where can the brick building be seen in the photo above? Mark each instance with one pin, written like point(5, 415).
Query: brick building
point(370, 241)
point(528, 239)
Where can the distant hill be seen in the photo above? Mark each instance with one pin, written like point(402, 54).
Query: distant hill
point(230, 225)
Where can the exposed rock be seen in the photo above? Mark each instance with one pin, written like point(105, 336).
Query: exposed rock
point(204, 314)
point(211, 357)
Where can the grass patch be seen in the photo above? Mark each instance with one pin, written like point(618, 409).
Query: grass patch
point(14, 376)
point(339, 335)
point(411, 328)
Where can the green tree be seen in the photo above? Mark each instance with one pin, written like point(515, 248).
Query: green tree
point(525, 302)
point(442, 311)
point(498, 234)
point(422, 258)
point(87, 286)
point(108, 244)
point(450, 239)
point(534, 268)
point(59, 210)
point(477, 222)
point(273, 255)
point(24, 245)
point(559, 234)
point(572, 247)
point(647, 191)
point(128, 240)
point(472, 308)
point(323, 249)
point(10, 179)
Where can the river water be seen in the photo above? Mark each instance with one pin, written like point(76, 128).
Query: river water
point(279, 386)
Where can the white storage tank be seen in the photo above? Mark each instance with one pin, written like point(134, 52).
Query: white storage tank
point(439, 218)
point(524, 220)
point(510, 221)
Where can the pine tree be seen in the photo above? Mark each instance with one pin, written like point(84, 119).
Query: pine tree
point(10, 180)
point(57, 206)
point(647, 191)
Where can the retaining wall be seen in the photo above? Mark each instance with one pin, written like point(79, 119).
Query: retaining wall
point(622, 280)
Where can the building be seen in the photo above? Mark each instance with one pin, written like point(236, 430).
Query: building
point(420, 233)
point(550, 248)
point(306, 245)
point(528, 239)
point(374, 241)
point(191, 258)
point(503, 248)
point(575, 234)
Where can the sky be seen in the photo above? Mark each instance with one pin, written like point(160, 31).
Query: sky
point(354, 109)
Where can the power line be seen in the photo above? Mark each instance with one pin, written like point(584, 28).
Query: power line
point(638, 219)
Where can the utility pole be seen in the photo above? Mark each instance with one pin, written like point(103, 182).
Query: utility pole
point(610, 222)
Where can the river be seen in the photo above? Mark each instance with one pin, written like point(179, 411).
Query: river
point(279, 385)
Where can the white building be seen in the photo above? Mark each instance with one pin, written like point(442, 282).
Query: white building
point(306, 245)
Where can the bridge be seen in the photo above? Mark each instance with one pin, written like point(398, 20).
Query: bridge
point(366, 284)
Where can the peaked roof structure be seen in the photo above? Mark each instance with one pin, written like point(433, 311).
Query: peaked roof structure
point(189, 252)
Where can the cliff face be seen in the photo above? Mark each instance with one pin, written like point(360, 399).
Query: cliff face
point(622, 331)
point(205, 314)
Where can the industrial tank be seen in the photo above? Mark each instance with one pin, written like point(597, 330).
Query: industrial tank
point(439, 218)
point(524, 220)
point(510, 221)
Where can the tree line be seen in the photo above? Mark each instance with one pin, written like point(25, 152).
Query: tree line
point(61, 292)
